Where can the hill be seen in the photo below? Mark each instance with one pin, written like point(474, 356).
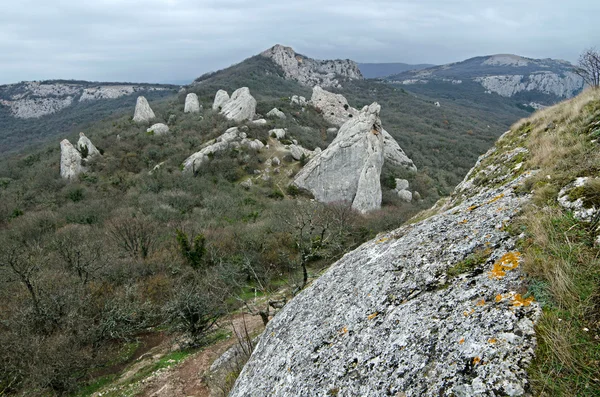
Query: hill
point(36, 112)
point(451, 304)
point(377, 70)
point(527, 82)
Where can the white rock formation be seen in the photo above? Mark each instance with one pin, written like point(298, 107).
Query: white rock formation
point(84, 144)
point(259, 122)
point(241, 106)
point(232, 138)
point(336, 110)
point(70, 161)
point(143, 112)
point(276, 113)
point(349, 169)
point(221, 98)
point(405, 195)
point(309, 71)
point(401, 184)
point(192, 104)
point(563, 86)
point(158, 129)
point(278, 133)
point(37, 107)
point(298, 100)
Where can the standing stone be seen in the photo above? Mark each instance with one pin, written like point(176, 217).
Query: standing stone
point(192, 105)
point(221, 98)
point(84, 145)
point(350, 168)
point(143, 112)
point(241, 106)
point(70, 161)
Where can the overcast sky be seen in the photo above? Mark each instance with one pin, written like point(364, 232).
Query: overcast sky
point(178, 40)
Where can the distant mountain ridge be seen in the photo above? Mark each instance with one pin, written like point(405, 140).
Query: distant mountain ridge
point(378, 70)
point(504, 74)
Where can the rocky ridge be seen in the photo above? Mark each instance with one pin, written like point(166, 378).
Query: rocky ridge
point(405, 315)
point(310, 72)
point(36, 99)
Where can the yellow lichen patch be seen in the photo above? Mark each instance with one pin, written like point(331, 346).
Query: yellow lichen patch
point(499, 297)
point(509, 261)
point(460, 342)
point(344, 331)
point(500, 209)
point(467, 314)
point(372, 316)
point(463, 222)
point(498, 197)
point(519, 301)
point(382, 240)
point(476, 360)
point(481, 302)
point(492, 340)
point(473, 207)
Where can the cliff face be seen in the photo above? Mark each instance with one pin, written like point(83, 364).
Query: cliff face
point(37, 99)
point(311, 72)
point(433, 308)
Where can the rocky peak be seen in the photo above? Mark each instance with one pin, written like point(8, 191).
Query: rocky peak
point(310, 72)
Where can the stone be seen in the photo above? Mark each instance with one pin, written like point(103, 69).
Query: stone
point(349, 169)
point(278, 133)
point(332, 131)
point(70, 161)
point(247, 184)
point(85, 146)
point(297, 152)
point(298, 100)
point(405, 196)
point(253, 144)
point(143, 112)
point(276, 113)
point(241, 106)
point(192, 104)
point(259, 122)
point(334, 107)
point(577, 205)
point(394, 154)
point(401, 184)
point(275, 161)
point(221, 98)
point(158, 129)
point(437, 104)
point(417, 196)
point(389, 318)
point(309, 71)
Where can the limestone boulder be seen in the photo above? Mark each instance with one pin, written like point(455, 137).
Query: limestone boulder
point(394, 154)
point(192, 104)
point(276, 113)
point(278, 133)
point(405, 195)
point(221, 98)
point(259, 122)
point(402, 184)
point(143, 112)
point(241, 106)
point(158, 129)
point(70, 161)
point(334, 107)
point(349, 169)
point(298, 100)
point(85, 146)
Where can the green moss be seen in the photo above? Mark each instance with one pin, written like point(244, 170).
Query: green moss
point(478, 257)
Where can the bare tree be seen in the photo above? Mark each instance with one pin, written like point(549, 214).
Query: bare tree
point(80, 249)
point(588, 67)
point(134, 234)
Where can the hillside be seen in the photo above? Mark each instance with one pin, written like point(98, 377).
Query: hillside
point(378, 70)
point(36, 112)
point(532, 83)
point(491, 292)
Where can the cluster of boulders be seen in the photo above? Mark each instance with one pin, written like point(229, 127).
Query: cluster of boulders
point(239, 107)
point(403, 192)
point(73, 159)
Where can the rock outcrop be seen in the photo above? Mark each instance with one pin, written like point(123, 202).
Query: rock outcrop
point(298, 100)
point(70, 161)
point(221, 98)
point(158, 129)
point(232, 138)
point(337, 111)
point(192, 104)
point(309, 71)
point(276, 113)
point(84, 145)
point(143, 112)
point(349, 169)
point(394, 318)
point(241, 106)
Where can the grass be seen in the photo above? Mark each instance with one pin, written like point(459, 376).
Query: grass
point(559, 253)
point(477, 258)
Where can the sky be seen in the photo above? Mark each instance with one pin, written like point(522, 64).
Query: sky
point(179, 40)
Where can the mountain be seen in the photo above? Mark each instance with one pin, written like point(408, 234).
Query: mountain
point(451, 303)
point(377, 70)
point(36, 111)
point(530, 82)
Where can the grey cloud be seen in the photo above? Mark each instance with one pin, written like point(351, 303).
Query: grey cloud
point(162, 40)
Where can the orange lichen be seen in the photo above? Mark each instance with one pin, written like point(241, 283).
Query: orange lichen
point(498, 197)
point(344, 331)
point(509, 261)
point(473, 207)
point(492, 340)
point(467, 314)
point(460, 342)
point(463, 222)
point(499, 297)
point(382, 240)
point(519, 301)
point(476, 360)
point(481, 302)
point(372, 316)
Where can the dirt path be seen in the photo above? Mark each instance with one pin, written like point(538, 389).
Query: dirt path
point(185, 380)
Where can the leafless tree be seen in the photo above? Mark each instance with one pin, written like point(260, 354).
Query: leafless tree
point(588, 67)
point(81, 250)
point(134, 234)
